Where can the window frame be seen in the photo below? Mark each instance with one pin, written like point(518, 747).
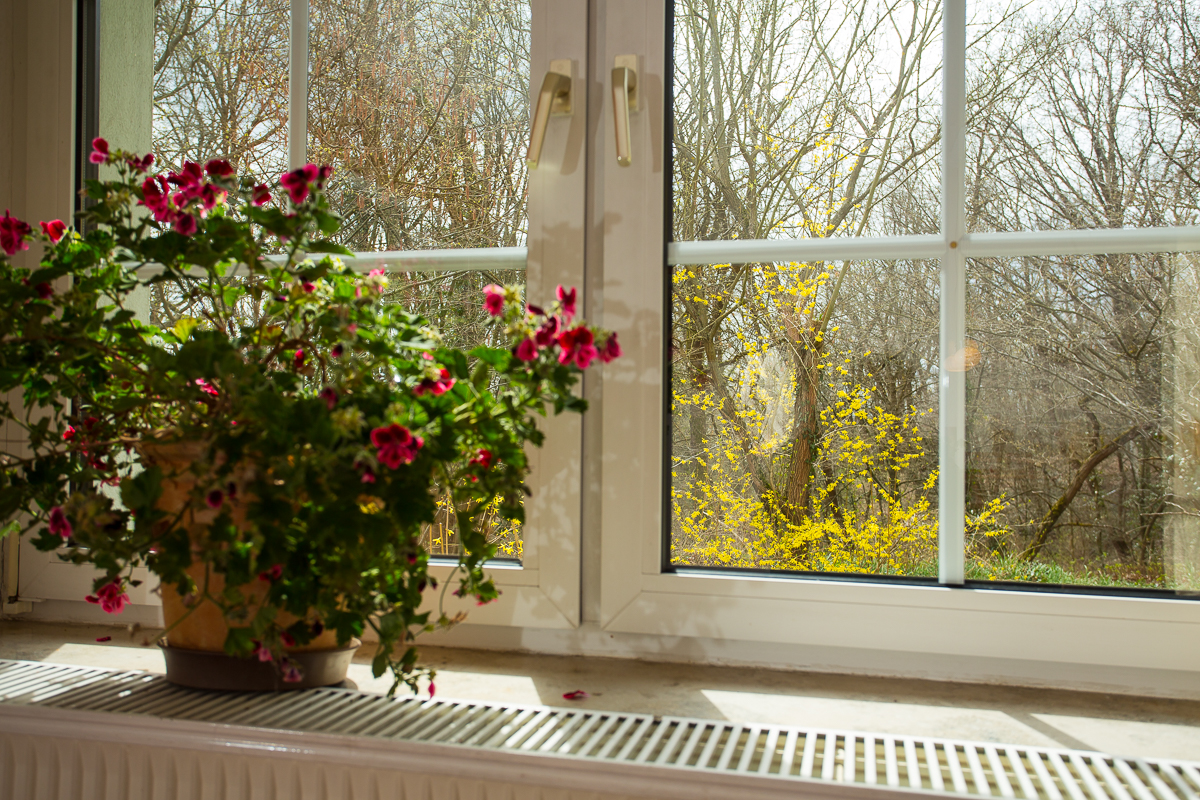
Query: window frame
point(847, 624)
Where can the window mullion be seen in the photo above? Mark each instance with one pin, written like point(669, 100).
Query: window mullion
point(298, 86)
point(952, 380)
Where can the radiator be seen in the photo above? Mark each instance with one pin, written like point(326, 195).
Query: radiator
point(75, 732)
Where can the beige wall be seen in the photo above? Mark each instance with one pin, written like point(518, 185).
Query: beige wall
point(126, 73)
point(37, 68)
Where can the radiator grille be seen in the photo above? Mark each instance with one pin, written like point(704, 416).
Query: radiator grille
point(974, 769)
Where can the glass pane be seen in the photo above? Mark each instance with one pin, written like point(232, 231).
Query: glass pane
point(220, 83)
point(1083, 413)
point(422, 109)
point(804, 417)
point(801, 119)
point(1082, 115)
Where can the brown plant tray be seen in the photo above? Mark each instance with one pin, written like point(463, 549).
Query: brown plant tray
point(203, 669)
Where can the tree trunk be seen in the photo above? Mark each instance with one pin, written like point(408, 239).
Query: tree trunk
point(1051, 519)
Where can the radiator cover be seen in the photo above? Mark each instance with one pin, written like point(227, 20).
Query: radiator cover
point(68, 732)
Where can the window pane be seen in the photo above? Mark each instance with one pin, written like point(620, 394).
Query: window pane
point(1083, 407)
point(220, 83)
point(804, 419)
point(803, 119)
point(1083, 115)
point(422, 109)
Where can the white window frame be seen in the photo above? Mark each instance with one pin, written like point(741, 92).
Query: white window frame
point(1143, 644)
point(543, 590)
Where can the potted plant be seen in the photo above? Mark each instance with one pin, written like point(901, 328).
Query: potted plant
point(272, 458)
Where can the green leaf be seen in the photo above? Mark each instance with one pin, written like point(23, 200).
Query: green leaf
point(499, 359)
point(379, 664)
point(184, 327)
point(323, 246)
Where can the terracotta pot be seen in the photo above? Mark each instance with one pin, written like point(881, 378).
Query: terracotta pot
point(204, 628)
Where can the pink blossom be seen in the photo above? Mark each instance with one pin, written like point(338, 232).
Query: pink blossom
point(298, 181)
point(286, 639)
point(215, 498)
point(156, 198)
point(141, 164)
point(308, 286)
point(547, 333)
point(260, 195)
point(207, 387)
point(218, 168)
point(432, 689)
point(329, 395)
point(298, 359)
point(611, 349)
point(337, 350)
point(44, 290)
point(185, 225)
point(272, 574)
point(111, 597)
point(190, 177)
point(576, 347)
point(567, 298)
point(396, 445)
point(493, 299)
point(483, 458)
point(99, 152)
point(262, 651)
point(12, 234)
point(54, 230)
point(292, 673)
point(435, 387)
point(527, 350)
point(69, 433)
point(375, 272)
point(368, 475)
point(59, 524)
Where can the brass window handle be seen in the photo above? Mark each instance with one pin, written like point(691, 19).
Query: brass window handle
point(625, 102)
point(554, 99)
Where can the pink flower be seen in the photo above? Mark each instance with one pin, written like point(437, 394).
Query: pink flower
point(215, 498)
point(567, 298)
point(44, 290)
point(547, 333)
point(54, 230)
point(69, 433)
point(396, 445)
point(298, 359)
point(337, 350)
point(493, 299)
point(483, 458)
point(156, 198)
point(527, 350)
point(99, 152)
point(262, 651)
point(368, 475)
point(207, 387)
point(218, 168)
point(185, 225)
point(329, 395)
point(286, 639)
point(110, 597)
point(611, 349)
point(59, 524)
point(292, 673)
point(375, 272)
point(308, 286)
point(12, 234)
point(190, 177)
point(438, 387)
point(432, 689)
point(141, 164)
point(576, 347)
point(271, 575)
point(260, 195)
point(298, 181)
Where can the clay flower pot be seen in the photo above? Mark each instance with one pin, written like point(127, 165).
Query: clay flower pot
point(196, 633)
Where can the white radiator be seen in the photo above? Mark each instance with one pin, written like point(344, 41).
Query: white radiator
point(72, 732)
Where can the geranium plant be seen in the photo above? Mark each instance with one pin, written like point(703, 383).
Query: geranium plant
point(326, 421)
